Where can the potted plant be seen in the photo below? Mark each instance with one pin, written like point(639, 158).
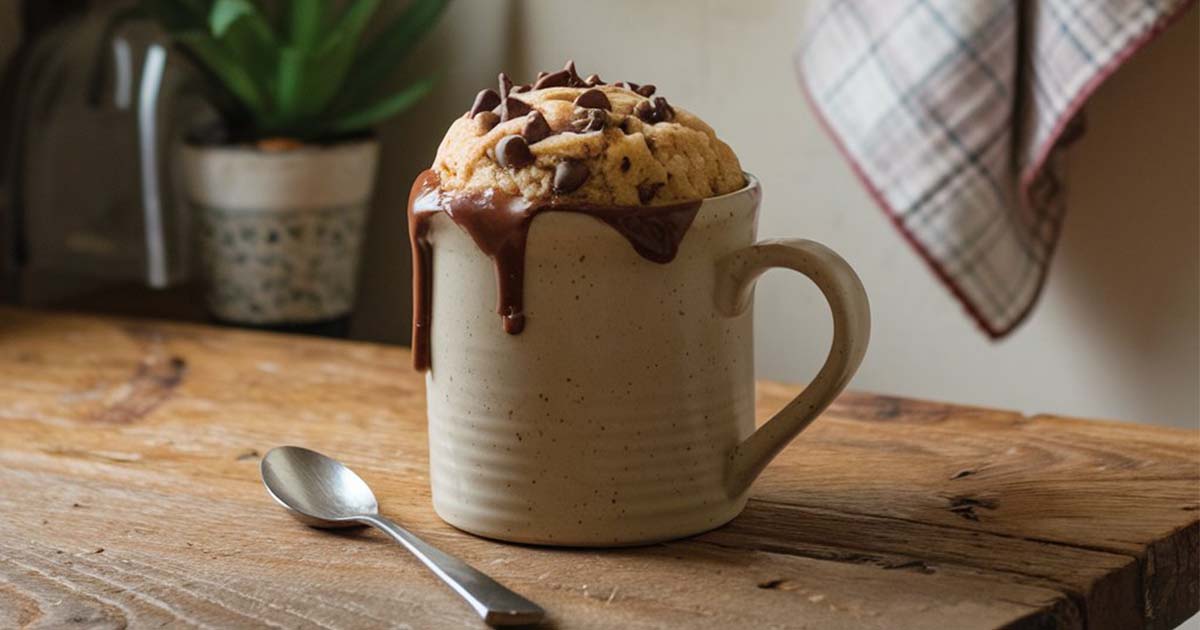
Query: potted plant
point(281, 186)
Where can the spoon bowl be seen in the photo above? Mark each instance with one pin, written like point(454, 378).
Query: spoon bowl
point(318, 490)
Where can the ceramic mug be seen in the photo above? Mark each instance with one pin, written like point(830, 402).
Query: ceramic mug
point(624, 412)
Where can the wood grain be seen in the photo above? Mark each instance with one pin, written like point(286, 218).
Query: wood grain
point(129, 497)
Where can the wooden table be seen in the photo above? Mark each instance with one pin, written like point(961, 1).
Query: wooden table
point(129, 495)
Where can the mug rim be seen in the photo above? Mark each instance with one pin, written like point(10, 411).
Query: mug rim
point(752, 184)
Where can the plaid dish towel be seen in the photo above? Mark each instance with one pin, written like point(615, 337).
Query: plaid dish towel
point(954, 113)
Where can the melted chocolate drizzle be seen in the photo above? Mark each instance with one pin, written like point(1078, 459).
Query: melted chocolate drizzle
point(499, 225)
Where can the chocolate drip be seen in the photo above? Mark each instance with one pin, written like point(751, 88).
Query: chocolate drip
point(654, 232)
point(422, 200)
point(499, 225)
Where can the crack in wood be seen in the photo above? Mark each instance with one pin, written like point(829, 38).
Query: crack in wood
point(918, 566)
point(248, 454)
point(964, 506)
point(856, 557)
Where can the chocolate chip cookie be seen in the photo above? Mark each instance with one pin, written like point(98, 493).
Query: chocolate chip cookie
point(573, 139)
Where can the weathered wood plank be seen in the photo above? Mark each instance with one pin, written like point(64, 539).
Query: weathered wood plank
point(905, 546)
point(175, 560)
point(1103, 486)
point(141, 439)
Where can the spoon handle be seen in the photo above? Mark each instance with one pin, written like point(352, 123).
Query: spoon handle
point(497, 605)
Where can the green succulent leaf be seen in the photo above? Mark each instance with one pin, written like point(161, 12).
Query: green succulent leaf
point(229, 70)
point(392, 43)
point(332, 60)
point(244, 31)
point(350, 26)
point(226, 12)
point(298, 68)
point(364, 118)
point(289, 86)
point(304, 20)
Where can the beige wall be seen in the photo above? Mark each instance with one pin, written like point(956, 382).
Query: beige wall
point(1116, 333)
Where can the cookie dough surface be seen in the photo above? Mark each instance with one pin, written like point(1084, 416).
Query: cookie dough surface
point(630, 148)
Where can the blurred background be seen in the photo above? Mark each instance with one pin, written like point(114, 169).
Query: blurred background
point(1115, 335)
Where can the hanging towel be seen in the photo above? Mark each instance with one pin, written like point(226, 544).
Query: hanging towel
point(955, 115)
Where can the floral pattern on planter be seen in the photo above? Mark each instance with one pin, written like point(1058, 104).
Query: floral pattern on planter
point(273, 266)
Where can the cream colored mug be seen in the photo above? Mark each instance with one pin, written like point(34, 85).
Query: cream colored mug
point(623, 413)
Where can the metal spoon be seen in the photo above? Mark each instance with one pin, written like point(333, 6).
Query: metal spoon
point(322, 492)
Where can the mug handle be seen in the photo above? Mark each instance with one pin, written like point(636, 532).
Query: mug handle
point(736, 276)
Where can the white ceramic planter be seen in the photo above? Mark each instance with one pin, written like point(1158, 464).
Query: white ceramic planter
point(281, 232)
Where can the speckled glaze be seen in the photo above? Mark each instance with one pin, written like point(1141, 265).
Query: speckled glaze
point(623, 413)
point(267, 267)
point(280, 232)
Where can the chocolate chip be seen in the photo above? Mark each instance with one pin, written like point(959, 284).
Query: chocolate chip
point(593, 80)
point(573, 76)
point(513, 108)
point(484, 101)
point(625, 164)
point(644, 111)
point(536, 128)
point(585, 120)
point(593, 99)
point(663, 109)
point(505, 85)
point(655, 110)
point(524, 87)
point(513, 152)
point(647, 191)
point(645, 90)
point(487, 120)
point(569, 175)
point(628, 85)
point(554, 79)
